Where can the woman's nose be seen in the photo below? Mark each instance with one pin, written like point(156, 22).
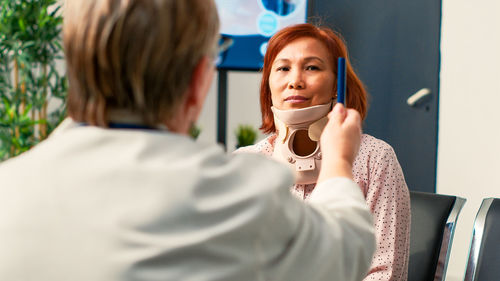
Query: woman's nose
point(296, 81)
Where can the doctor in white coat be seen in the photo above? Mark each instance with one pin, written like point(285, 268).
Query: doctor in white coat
point(120, 192)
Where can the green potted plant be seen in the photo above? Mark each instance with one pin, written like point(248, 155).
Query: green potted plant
point(32, 88)
point(245, 135)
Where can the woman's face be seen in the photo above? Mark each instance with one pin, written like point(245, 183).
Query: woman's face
point(302, 75)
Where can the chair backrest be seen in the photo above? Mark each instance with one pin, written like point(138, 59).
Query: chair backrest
point(433, 221)
point(484, 252)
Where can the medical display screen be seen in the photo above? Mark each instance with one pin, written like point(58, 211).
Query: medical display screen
point(249, 24)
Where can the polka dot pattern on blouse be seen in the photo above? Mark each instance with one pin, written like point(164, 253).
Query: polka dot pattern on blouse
point(379, 175)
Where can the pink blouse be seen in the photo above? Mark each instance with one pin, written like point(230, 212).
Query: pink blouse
point(378, 173)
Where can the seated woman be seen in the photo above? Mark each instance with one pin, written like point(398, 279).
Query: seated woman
point(297, 91)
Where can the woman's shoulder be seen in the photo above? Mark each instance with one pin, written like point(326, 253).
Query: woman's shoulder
point(265, 146)
point(373, 151)
point(372, 144)
point(377, 166)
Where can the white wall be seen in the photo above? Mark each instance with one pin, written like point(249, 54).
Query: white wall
point(469, 130)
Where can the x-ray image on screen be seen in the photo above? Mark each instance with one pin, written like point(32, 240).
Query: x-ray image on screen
point(250, 24)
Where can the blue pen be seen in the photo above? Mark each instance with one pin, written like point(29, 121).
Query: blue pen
point(341, 81)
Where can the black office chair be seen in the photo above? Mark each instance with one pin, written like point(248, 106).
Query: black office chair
point(484, 252)
point(433, 220)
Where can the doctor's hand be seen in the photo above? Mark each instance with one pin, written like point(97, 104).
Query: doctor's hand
point(340, 142)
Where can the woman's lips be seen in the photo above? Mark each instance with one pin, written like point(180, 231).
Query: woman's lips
point(296, 99)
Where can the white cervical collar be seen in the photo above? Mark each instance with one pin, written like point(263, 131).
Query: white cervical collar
point(312, 119)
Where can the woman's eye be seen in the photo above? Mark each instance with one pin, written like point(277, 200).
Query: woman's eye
point(312, 67)
point(283, 68)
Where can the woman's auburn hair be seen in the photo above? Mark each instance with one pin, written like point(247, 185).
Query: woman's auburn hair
point(356, 95)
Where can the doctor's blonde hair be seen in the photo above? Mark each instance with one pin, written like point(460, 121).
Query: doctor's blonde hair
point(134, 55)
